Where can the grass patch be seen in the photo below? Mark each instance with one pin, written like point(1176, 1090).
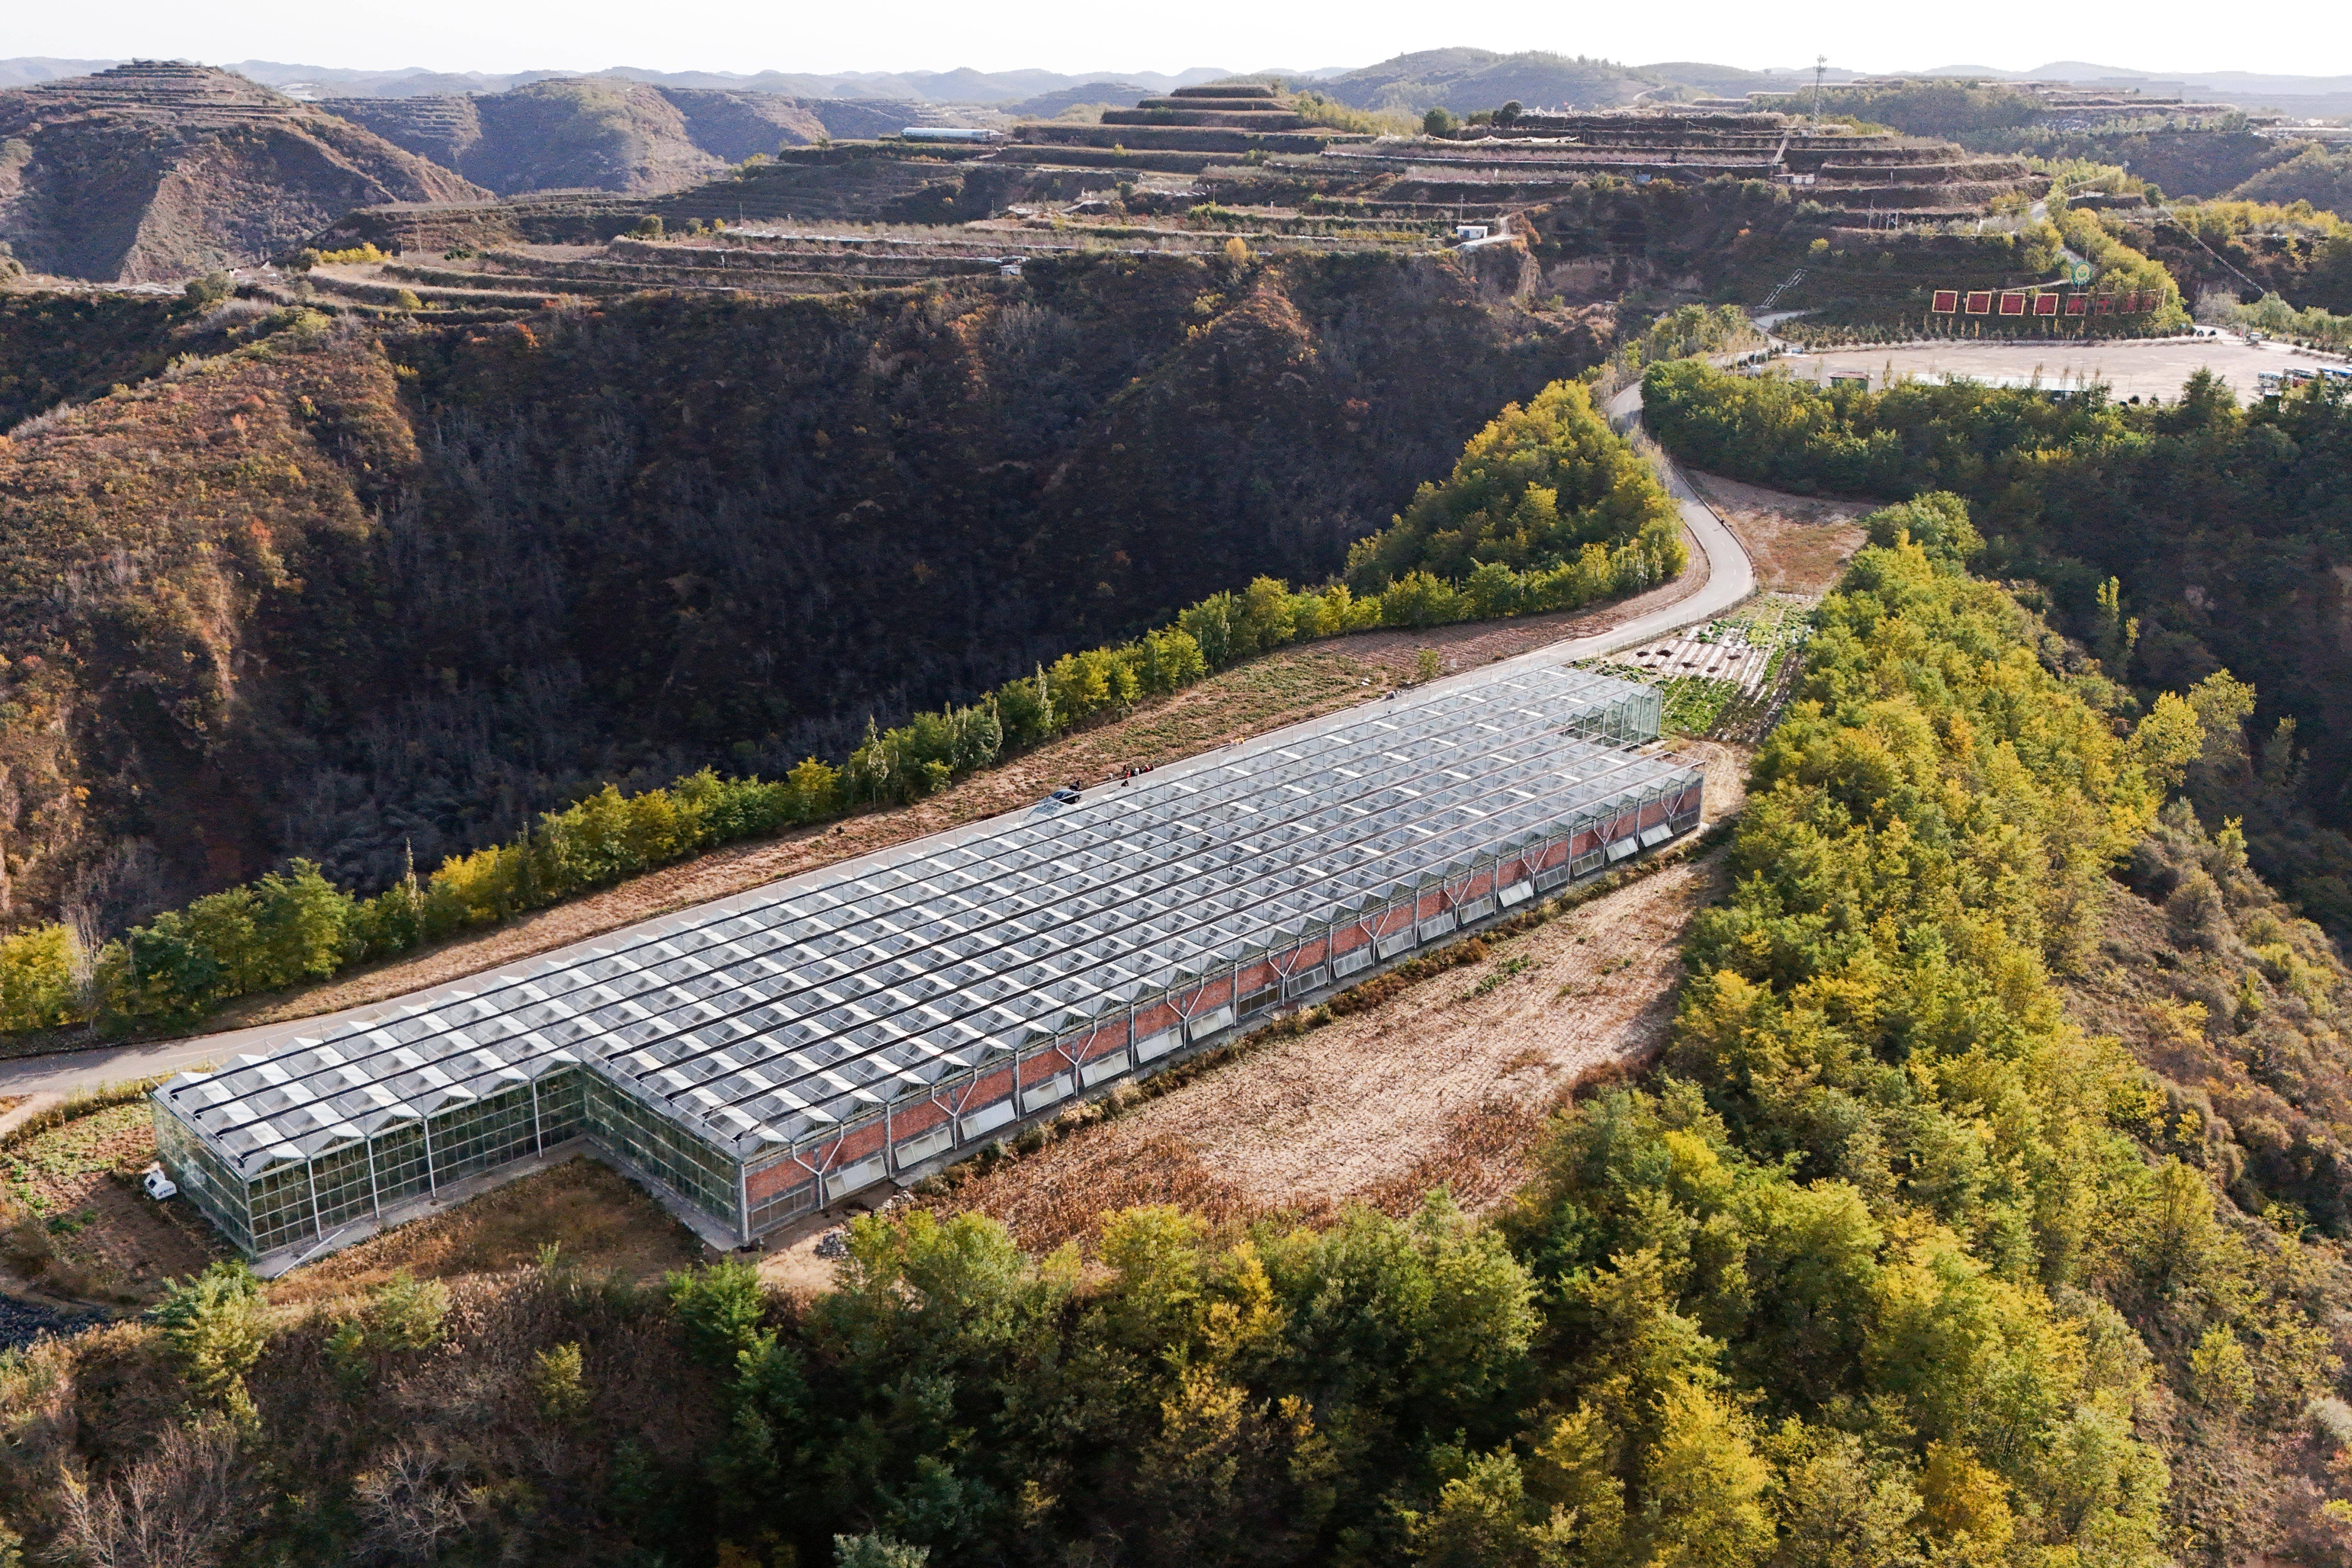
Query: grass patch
point(1695, 703)
point(85, 1145)
point(599, 1221)
point(1497, 975)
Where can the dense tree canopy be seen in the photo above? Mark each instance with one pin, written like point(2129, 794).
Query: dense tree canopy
point(2224, 531)
point(1537, 486)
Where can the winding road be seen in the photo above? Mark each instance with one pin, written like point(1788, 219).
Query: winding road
point(1722, 576)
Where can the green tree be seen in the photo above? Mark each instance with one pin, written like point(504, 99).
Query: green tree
point(559, 1384)
point(38, 988)
point(721, 1307)
point(1540, 482)
point(1706, 1486)
point(215, 1326)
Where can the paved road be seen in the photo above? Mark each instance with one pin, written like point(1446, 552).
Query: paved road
point(1729, 578)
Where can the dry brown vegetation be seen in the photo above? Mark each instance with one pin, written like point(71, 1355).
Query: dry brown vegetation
point(600, 1222)
point(355, 558)
point(83, 1230)
point(155, 171)
point(2211, 981)
point(1800, 543)
point(79, 1228)
point(1446, 1081)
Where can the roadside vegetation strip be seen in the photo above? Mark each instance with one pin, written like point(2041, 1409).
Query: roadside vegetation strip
point(1559, 511)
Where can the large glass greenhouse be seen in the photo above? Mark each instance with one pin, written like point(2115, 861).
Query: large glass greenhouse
point(762, 1056)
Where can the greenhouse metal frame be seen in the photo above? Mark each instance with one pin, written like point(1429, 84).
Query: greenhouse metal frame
point(769, 1054)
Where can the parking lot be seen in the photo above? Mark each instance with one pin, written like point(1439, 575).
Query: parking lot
point(2142, 369)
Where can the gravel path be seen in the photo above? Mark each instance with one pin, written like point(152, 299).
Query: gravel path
point(23, 1321)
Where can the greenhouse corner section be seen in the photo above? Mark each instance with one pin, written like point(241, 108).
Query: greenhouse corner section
point(762, 1057)
point(275, 1197)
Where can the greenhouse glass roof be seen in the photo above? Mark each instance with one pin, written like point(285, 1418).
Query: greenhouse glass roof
point(774, 1018)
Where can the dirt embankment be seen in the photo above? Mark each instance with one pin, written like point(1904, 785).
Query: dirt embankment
point(1280, 688)
point(1800, 543)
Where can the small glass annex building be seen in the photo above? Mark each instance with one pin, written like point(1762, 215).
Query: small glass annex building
point(767, 1053)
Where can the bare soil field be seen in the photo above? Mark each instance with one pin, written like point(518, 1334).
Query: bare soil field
point(83, 1229)
point(1726, 773)
point(1800, 543)
point(1447, 1081)
point(1263, 694)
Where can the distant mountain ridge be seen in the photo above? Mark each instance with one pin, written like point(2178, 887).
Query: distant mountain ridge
point(153, 171)
point(27, 69)
point(606, 133)
point(965, 86)
point(2319, 96)
point(1469, 79)
point(1459, 71)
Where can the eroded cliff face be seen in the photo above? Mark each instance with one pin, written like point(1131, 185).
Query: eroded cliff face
point(336, 593)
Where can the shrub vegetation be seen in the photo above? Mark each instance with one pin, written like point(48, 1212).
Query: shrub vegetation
point(2175, 541)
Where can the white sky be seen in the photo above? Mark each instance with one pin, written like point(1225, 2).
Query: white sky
point(2293, 37)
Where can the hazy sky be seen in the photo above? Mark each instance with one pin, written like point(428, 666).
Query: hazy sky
point(2300, 37)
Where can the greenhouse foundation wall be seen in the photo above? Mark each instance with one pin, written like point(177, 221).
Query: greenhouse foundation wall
point(294, 1212)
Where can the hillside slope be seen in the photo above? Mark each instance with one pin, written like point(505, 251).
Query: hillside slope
point(1466, 80)
point(342, 597)
point(150, 172)
point(608, 133)
point(2320, 175)
point(2179, 542)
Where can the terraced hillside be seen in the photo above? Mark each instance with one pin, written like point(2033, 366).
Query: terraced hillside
point(1243, 160)
point(157, 172)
